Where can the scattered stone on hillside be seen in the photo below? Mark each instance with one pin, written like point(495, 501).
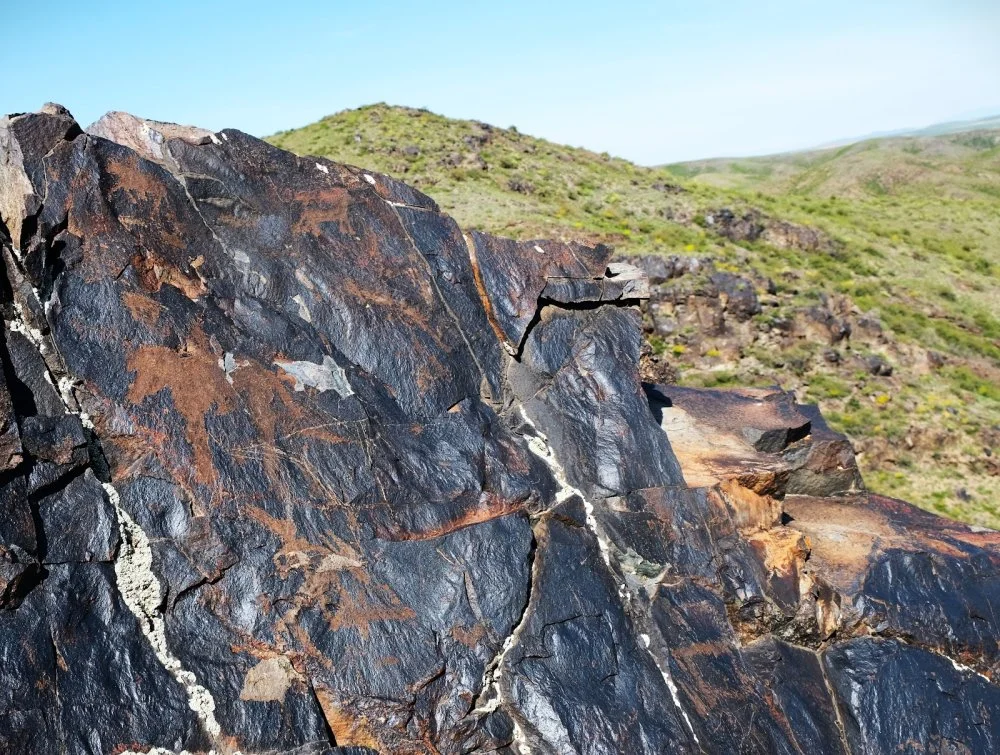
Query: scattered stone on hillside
point(820, 323)
point(293, 465)
point(783, 234)
point(660, 268)
point(655, 368)
point(689, 292)
point(521, 186)
point(742, 228)
point(877, 365)
point(475, 141)
point(753, 225)
point(870, 322)
point(737, 295)
point(669, 188)
point(935, 359)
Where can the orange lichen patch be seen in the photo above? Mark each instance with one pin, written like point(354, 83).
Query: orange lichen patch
point(492, 507)
point(783, 552)
point(196, 385)
point(297, 552)
point(153, 273)
point(148, 194)
point(129, 175)
point(336, 580)
point(280, 417)
point(348, 730)
point(142, 308)
point(469, 636)
point(261, 650)
point(477, 276)
point(319, 206)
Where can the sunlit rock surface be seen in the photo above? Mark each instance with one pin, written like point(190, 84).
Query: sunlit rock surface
point(291, 464)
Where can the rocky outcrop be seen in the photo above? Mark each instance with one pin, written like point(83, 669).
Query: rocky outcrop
point(753, 226)
point(291, 464)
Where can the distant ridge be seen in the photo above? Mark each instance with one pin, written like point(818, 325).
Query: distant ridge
point(935, 129)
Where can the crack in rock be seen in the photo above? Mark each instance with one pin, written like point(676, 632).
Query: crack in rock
point(141, 591)
point(539, 445)
point(138, 585)
point(669, 680)
point(493, 674)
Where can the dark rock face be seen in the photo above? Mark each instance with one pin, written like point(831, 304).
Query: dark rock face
point(290, 464)
point(752, 225)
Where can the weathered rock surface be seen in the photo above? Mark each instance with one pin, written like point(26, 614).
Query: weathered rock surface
point(290, 464)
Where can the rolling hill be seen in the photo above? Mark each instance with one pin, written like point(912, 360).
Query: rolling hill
point(989, 122)
point(959, 165)
point(896, 239)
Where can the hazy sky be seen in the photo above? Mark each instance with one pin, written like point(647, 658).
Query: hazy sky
point(651, 81)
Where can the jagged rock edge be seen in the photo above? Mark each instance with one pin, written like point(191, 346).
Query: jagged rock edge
point(133, 561)
point(65, 389)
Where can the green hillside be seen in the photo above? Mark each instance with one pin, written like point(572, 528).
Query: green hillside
point(957, 166)
point(900, 235)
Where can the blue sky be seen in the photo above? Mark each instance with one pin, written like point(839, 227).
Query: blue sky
point(651, 81)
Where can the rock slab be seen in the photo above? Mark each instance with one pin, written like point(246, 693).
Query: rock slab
point(291, 464)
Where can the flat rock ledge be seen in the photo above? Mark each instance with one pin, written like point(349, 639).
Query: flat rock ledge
point(292, 464)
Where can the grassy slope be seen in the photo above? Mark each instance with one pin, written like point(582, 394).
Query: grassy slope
point(916, 223)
